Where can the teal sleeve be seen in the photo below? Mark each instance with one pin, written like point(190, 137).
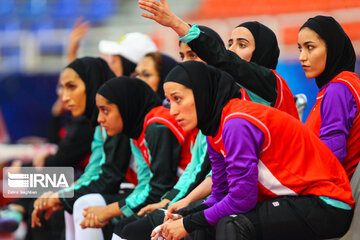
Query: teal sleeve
point(93, 167)
point(198, 154)
point(164, 151)
point(193, 33)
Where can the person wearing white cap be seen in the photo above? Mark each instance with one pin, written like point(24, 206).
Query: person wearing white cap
point(123, 55)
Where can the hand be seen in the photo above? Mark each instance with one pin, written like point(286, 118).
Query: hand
point(58, 108)
point(152, 207)
point(48, 202)
point(172, 217)
point(174, 230)
point(95, 217)
point(39, 161)
point(79, 30)
point(178, 205)
point(161, 11)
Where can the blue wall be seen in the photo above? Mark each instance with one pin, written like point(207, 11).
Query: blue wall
point(26, 103)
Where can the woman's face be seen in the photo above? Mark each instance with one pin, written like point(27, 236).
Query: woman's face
point(146, 71)
point(242, 43)
point(182, 105)
point(186, 54)
point(73, 92)
point(109, 116)
point(313, 52)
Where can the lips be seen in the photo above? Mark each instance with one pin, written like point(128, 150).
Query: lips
point(305, 67)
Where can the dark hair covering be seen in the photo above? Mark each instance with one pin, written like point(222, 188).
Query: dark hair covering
point(212, 90)
point(134, 99)
point(93, 72)
point(266, 51)
point(211, 33)
point(167, 64)
point(127, 65)
point(340, 51)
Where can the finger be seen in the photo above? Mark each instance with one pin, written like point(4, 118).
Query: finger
point(148, 9)
point(78, 21)
point(141, 212)
point(152, 17)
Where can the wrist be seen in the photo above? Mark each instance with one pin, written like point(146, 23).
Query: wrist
point(180, 27)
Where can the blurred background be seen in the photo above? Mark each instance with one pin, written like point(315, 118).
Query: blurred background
point(34, 35)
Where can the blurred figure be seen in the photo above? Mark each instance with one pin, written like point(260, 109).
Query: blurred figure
point(153, 69)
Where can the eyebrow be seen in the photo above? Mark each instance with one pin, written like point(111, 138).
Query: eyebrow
point(242, 39)
point(308, 42)
point(173, 93)
point(68, 82)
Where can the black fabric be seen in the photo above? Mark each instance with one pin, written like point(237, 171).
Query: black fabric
point(256, 78)
point(74, 146)
point(167, 63)
point(113, 172)
point(340, 51)
point(236, 227)
point(127, 65)
point(267, 50)
point(130, 230)
point(212, 90)
point(191, 209)
point(298, 218)
point(134, 99)
point(165, 151)
point(211, 33)
point(93, 72)
point(195, 221)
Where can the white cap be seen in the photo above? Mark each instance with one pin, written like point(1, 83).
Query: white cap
point(133, 46)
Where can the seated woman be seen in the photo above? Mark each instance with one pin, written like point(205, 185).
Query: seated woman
point(110, 156)
point(160, 147)
point(327, 54)
point(271, 175)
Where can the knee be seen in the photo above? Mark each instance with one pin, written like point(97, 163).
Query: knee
point(235, 227)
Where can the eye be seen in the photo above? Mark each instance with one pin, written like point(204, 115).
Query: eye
point(71, 86)
point(193, 56)
point(146, 74)
point(177, 99)
point(310, 47)
point(242, 45)
point(300, 48)
point(181, 56)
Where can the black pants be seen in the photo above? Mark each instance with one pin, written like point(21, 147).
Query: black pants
point(303, 218)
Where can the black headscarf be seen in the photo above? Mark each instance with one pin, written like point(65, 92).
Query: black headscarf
point(93, 72)
point(340, 51)
point(134, 99)
point(266, 51)
point(167, 63)
point(212, 90)
point(211, 33)
point(127, 65)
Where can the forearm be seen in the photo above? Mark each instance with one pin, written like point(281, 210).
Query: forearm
point(201, 191)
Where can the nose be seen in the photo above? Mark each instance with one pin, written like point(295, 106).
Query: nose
point(302, 56)
point(65, 96)
point(173, 110)
point(100, 118)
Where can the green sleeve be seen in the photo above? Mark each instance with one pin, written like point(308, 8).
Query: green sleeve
point(195, 171)
point(164, 151)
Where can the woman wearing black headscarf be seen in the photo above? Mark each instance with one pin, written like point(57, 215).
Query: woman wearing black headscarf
point(158, 144)
point(261, 189)
point(327, 54)
point(153, 69)
point(110, 156)
point(251, 59)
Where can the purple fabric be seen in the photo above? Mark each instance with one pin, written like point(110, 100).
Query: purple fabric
point(234, 177)
point(338, 109)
